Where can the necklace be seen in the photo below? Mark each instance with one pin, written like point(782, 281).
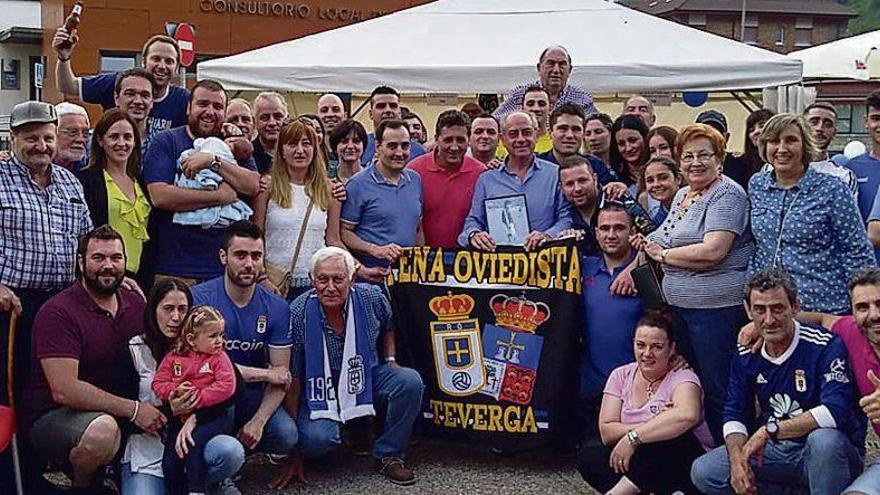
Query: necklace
point(649, 390)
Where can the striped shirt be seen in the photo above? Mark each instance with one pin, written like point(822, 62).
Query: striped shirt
point(724, 208)
point(39, 227)
point(570, 94)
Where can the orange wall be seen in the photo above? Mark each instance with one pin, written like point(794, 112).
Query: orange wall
point(124, 25)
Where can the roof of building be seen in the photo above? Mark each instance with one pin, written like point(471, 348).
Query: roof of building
point(812, 7)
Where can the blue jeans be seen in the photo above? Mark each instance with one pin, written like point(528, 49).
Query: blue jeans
point(224, 456)
point(397, 391)
point(868, 483)
point(708, 342)
point(279, 434)
point(826, 463)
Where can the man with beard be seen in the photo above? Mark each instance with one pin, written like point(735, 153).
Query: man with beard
point(567, 134)
point(609, 319)
point(73, 136)
point(448, 180)
point(270, 111)
point(257, 338)
point(860, 333)
point(161, 57)
point(522, 173)
point(133, 95)
point(822, 118)
point(385, 105)
point(554, 67)
point(580, 185)
point(68, 414)
point(189, 251)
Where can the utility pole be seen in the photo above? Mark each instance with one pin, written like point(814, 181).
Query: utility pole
point(742, 24)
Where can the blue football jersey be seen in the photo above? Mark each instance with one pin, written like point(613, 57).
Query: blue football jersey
point(812, 375)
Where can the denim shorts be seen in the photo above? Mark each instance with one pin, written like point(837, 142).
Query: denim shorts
point(869, 482)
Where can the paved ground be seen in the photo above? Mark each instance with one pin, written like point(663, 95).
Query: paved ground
point(440, 468)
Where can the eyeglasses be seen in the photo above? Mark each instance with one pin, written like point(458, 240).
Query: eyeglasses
point(702, 157)
point(73, 132)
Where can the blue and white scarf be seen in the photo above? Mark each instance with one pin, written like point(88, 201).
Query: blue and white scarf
point(355, 396)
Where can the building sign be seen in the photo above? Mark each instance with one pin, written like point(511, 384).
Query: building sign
point(287, 10)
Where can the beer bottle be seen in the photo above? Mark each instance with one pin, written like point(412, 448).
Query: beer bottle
point(71, 24)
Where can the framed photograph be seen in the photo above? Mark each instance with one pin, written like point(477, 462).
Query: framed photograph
point(507, 218)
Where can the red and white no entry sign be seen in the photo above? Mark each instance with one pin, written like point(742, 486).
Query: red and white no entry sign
point(186, 39)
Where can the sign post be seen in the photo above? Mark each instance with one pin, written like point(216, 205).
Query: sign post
point(186, 40)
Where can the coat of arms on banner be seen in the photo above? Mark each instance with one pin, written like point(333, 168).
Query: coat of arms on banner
point(512, 349)
point(458, 354)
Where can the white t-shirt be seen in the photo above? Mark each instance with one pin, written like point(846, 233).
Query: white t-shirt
point(282, 232)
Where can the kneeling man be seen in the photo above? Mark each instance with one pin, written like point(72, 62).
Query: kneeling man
point(337, 372)
point(808, 428)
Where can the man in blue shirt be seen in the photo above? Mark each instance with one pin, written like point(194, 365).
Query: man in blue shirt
point(522, 173)
point(867, 166)
point(161, 57)
point(385, 104)
point(567, 133)
point(809, 432)
point(610, 319)
point(383, 211)
point(257, 339)
point(190, 251)
point(133, 94)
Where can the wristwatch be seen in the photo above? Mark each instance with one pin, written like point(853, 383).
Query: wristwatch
point(772, 428)
point(215, 164)
point(633, 438)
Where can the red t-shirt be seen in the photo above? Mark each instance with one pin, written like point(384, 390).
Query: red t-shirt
point(211, 374)
point(446, 198)
point(861, 356)
point(72, 325)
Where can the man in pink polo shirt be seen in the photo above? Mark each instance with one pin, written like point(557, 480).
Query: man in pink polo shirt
point(861, 336)
point(448, 179)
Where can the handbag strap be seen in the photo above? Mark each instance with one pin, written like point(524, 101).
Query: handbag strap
point(302, 234)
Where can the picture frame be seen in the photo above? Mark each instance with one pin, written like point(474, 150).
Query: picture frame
point(507, 219)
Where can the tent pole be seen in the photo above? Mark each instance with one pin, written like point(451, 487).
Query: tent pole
point(742, 102)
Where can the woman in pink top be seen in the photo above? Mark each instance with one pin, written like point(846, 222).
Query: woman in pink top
point(651, 420)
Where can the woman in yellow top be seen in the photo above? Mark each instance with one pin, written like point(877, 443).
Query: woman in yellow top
point(110, 183)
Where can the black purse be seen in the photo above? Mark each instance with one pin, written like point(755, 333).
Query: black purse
point(648, 279)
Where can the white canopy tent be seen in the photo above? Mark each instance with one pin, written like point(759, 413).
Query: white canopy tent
point(488, 46)
point(856, 57)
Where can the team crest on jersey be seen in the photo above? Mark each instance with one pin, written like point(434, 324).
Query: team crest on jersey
point(177, 367)
point(356, 378)
point(455, 338)
point(800, 381)
point(261, 324)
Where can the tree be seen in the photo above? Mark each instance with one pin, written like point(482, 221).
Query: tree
point(869, 15)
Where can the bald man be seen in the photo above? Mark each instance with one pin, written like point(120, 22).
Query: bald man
point(331, 112)
point(554, 68)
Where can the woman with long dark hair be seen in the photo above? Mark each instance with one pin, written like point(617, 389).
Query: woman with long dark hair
point(629, 150)
point(141, 471)
point(751, 157)
point(110, 183)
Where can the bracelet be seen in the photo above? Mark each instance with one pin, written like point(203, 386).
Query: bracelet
point(663, 255)
point(137, 407)
point(633, 438)
point(390, 359)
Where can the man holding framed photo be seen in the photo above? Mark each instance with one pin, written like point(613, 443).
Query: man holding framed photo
point(522, 176)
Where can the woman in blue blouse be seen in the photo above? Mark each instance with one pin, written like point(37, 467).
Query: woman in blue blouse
point(803, 220)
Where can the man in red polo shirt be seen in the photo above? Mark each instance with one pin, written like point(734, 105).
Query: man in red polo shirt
point(448, 179)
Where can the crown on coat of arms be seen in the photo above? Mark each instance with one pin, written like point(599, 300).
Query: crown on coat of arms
point(451, 307)
point(518, 313)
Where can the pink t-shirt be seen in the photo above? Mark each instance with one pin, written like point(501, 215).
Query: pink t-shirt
point(861, 355)
point(620, 385)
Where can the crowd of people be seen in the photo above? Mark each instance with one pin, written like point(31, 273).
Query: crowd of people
point(191, 277)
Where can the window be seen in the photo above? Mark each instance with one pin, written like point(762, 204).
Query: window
point(780, 35)
point(803, 31)
point(851, 119)
point(750, 33)
point(116, 62)
point(11, 74)
point(697, 20)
